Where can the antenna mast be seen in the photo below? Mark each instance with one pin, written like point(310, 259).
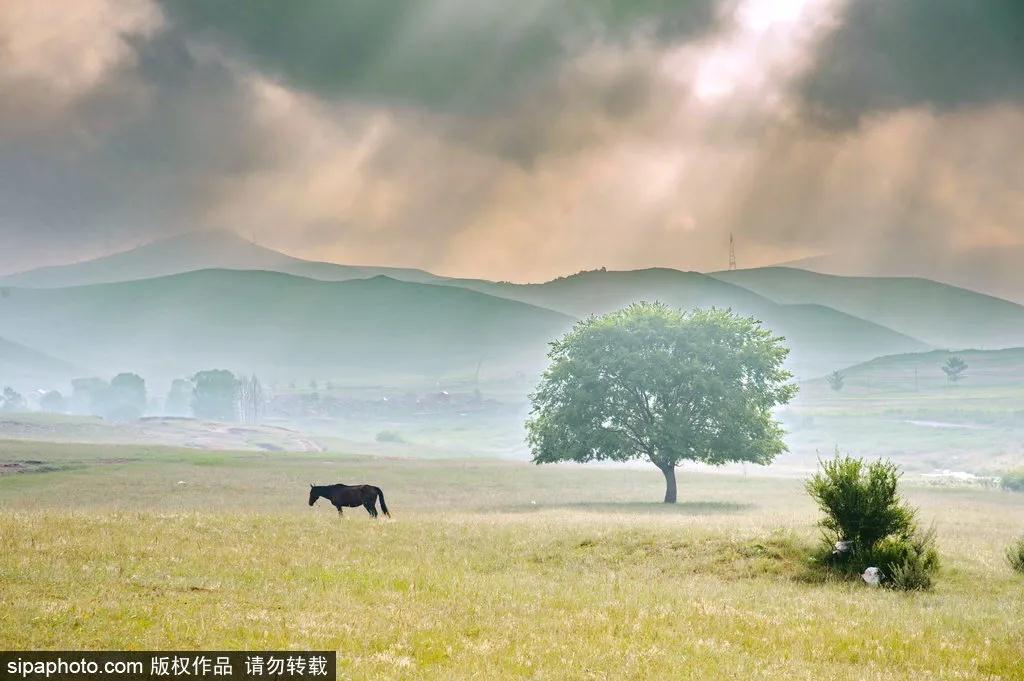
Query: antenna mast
point(732, 253)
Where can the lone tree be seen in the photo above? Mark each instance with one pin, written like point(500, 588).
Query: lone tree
point(650, 382)
point(954, 368)
point(836, 381)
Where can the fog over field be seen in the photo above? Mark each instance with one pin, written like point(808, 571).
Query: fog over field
point(669, 330)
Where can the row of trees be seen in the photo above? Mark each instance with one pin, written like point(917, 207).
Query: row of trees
point(215, 394)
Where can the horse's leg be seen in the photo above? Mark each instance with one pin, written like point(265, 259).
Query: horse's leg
point(339, 507)
point(370, 509)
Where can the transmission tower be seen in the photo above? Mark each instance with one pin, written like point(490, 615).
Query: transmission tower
point(732, 253)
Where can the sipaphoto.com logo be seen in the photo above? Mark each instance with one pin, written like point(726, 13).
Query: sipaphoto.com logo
point(80, 667)
point(167, 665)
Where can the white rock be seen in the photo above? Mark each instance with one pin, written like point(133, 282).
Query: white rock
point(873, 576)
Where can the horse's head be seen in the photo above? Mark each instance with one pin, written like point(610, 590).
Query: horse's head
point(313, 495)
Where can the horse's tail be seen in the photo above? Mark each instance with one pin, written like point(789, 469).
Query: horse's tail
point(383, 506)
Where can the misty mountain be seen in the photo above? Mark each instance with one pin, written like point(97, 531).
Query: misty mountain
point(942, 315)
point(995, 271)
point(213, 249)
point(25, 368)
point(279, 324)
point(820, 337)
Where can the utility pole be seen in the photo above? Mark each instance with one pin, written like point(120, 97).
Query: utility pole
point(732, 252)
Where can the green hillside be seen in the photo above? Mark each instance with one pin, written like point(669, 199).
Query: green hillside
point(923, 371)
point(197, 251)
point(941, 315)
point(903, 407)
point(821, 338)
point(278, 323)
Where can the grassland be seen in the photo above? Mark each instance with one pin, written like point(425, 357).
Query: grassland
point(487, 570)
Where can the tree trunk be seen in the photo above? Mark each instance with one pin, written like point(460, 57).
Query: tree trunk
point(670, 483)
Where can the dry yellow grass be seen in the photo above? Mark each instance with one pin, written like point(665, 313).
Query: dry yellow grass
point(473, 580)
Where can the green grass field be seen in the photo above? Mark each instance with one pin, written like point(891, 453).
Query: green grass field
point(487, 569)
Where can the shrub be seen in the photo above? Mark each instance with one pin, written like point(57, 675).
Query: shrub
point(860, 501)
point(919, 562)
point(1013, 481)
point(862, 506)
point(1015, 555)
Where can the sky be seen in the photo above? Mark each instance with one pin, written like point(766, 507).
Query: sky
point(517, 141)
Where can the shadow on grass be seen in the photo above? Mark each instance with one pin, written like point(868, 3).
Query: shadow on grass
point(684, 508)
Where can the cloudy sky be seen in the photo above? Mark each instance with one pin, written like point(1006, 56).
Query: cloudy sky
point(514, 140)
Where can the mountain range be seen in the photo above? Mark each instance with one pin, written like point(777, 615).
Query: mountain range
point(941, 315)
point(201, 250)
point(209, 299)
point(992, 270)
point(278, 324)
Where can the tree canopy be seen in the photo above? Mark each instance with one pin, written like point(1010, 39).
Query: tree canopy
point(954, 368)
point(125, 398)
point(214, 395)
point(652, 383)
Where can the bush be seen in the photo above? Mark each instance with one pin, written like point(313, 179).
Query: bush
point(1013, 481)
point(860, 501)
point(1015, 555)
point(919, 562)
point(862, 506)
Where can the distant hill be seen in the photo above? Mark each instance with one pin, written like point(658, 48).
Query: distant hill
point(278, 324)
point(992, 270)
point(23, 367)
point(821, 338)
point(215, 249)
point(923, 371)
point(941, 315)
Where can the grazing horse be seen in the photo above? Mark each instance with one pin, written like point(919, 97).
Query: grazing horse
point(350, 495)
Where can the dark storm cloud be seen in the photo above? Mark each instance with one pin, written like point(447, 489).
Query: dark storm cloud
point(462, 54)
point(138, 178)
point(516, 140)
point(893, 54)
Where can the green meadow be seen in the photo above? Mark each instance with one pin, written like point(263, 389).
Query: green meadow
point(487, 569)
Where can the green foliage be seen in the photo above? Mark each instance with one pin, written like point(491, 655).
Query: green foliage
point(836, 380)
point(861, 504)
point(214, 395)
point(859, 501)
point(179, 398)
point(915, 562)
point(650, 382)
point(124, 399)
point(1013, 481)
point(1015, 555)
point(954, 368)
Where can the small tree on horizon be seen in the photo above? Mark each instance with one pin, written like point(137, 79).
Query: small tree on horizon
point(954, 368)
point(836, 380)
point(653, 383)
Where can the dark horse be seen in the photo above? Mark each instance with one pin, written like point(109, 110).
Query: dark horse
point(350, 495)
